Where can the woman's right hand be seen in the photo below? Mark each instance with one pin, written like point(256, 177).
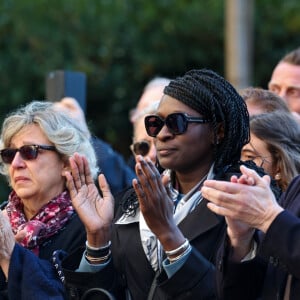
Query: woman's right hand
point(95, 212)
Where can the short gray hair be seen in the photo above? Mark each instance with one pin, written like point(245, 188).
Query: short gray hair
point(60, 128)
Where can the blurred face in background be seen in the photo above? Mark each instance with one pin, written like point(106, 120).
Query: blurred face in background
point(285, 82)
point(142, 143)
point(257, 151)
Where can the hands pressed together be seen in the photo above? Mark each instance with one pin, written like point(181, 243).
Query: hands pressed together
point(155, 203)
point(246, 202)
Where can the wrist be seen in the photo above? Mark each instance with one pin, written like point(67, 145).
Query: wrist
point(98, 255)
point(171, 239)
point(265, 225)
point(241, 240)
point(100, 238)
point(99, 251)
point(179, 252)
point(240, 245)
point(97, 260)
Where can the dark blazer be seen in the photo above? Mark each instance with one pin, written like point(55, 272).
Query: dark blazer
point(130, 268)
point(265, 277)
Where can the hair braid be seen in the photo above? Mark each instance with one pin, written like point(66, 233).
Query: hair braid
point(215, 98)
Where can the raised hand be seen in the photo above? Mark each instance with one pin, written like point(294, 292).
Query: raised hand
point(95, 212)
point(155, 204)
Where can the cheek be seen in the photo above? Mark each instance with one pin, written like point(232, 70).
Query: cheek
point(204, 136)
point(200, 142)
point(294, 105)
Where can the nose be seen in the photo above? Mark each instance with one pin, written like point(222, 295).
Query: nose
point(18, 161)
point(164, 133)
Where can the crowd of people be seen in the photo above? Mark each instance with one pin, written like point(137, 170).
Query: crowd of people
point(207, 208)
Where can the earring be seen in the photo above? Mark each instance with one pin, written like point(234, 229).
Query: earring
point(277, 176)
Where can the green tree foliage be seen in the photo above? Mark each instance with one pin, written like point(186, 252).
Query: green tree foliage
point(276, 28)
point(121, 44)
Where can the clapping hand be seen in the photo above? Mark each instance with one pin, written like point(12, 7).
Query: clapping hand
point(95, 212)
point(155, 203)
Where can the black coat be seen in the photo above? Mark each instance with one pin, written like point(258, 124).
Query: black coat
point(265, 276)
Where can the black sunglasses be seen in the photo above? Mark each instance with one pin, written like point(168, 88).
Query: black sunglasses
point(28, 152)
point(140, 148)
point(177, 123)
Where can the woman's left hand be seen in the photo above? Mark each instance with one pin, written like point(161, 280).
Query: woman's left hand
point(155, 204)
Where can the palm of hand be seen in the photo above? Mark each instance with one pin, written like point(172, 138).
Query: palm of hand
point(94, 211)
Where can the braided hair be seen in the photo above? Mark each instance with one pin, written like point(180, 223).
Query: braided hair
point(215, 98)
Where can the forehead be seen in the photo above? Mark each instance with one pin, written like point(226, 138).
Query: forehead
point(31, 133)
point(254, 109)
point(139, 130)
point(149, 96)
point(257, 145)
point(169, 105)
point(285, 73)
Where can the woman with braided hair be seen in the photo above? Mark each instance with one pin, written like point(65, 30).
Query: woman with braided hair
point(161, 243)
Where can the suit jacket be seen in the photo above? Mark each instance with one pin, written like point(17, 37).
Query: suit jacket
point(129, 267)
point(265, 277)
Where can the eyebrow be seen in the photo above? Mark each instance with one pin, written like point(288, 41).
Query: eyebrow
point(249, 151)
point(278, 84)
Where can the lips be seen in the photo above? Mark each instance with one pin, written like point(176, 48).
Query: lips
point(165, 151)
point(20, 179)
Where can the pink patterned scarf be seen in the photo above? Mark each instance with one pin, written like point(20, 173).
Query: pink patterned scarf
point(48, 221)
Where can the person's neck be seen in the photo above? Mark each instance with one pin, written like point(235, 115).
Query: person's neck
point(186, 181)
point(30, 210)
point(32, 206)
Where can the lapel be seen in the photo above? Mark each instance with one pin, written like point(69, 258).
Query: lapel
point(200, 220)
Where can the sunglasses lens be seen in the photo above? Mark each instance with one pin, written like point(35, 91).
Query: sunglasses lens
point(176, 123)
point(7, 155)
point(153, 125)
point(28, 152)
point(141, 148)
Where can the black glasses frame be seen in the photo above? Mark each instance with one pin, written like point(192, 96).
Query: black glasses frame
point(27, 152)
point(176, 123)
